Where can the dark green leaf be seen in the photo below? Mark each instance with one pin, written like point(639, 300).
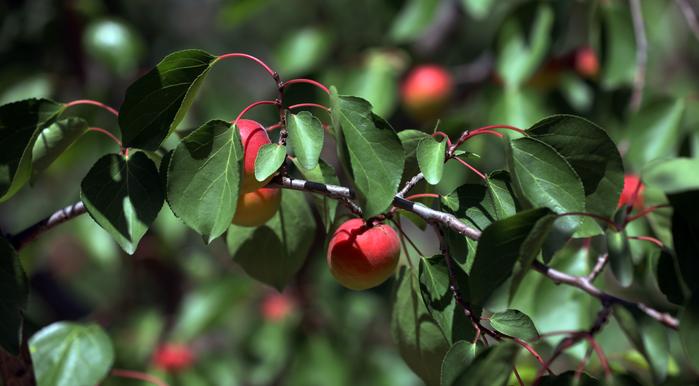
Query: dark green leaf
point(430, 157)
point(274, 252)
point(498, 250)
point(306, 138)
point(439, 300)
point(457, 359)
point(492, 366)
point(269, 159)
point(420, 341)
point(158, 101)
point(375, 152)
point(591, 153)
point(502, 194)
point(20, 124)
point(54, 140)
point(689, 329)
point(656, 131)
point(123, 196)
point(685, 235)
point(669, 278)
point(530, 249)
point(620, 256)
point(69, 354)
point(14, 291)
point(204, 176)
point(514, 323)
point(545, 178)
point(324, 174)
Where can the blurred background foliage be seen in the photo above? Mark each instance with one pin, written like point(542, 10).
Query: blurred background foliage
point(513, 62)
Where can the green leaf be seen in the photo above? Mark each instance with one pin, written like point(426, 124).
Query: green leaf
point(492, 366)
point(518, 55)
point(269, 159)
point(514, 323)
point(431, 153)
point(302, 51)
point(413, 19)
point(569, 378)
point(377, 80)
point(419, 338)
point(498, 250)
point(439, 300)
point(619, 67)
point(54, 140)
point(591, 153)
point(457, 359)
point(123, 196)
point(375, 151)
point(203, 180)
point(530, 249)
point(306, 138)
point(157, 102)
point(620, 256)
point(478, 9)
point(656, 131)
point(648, 337)
point(501, 193)
point(274, 252)
point(410, 139)
point(20, 125)
point(14, 292)
point(689, 330)
point(324, 174)
point(69, 354)
point(545, 178)
point(673, 176)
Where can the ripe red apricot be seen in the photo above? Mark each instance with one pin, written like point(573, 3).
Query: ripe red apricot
point(361, 256)
point(257, 207)
point(586, 62)
point(631, 182)
point(426, 91)
point(276, 307)
point(253, 135)
point(173, 357)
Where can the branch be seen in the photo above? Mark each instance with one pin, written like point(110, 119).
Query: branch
point(22, 238)
point(690, 16)
point(639, 30)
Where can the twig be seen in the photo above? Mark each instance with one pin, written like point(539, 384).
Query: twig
point(22, 238)
point(690, 16)
point(599, 266)
point(639, 30)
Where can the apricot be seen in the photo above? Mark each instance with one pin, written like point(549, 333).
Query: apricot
point(253, 135)
point(426, 91)
point(173, 357)
point(631, 182)
point(362, 256)
point(257, 207)
point(586, 62)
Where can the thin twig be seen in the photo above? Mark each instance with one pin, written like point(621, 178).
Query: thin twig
point(639, 30)
point(690, 16)
point(71, 211)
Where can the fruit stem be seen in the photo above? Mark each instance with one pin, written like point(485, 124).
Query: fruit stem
point(108, 134)
point(443, 135)
point(419, 195)
point(645, 212)
point(507, 127)
point(93, 103)
point(481, 175)
point(274, 126)
point(308, 81)
point(649, 239)
point(275, 102)
point(267, 68)
point(137, 375)
point(299, 105)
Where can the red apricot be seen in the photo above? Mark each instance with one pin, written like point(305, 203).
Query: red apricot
point(276, 306)
point(586, 62)
point(426, 91)
point(173, 357)
point(632, 185)
point(253, 135)
point(362, 256)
